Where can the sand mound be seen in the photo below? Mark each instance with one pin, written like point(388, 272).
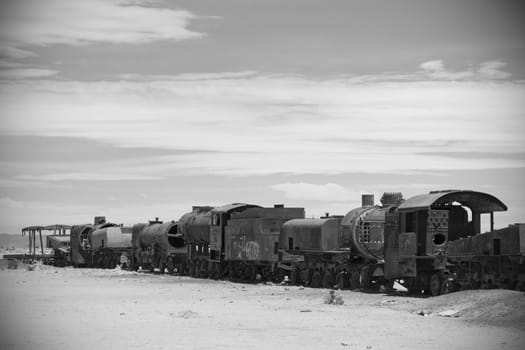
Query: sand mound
point(496, 307)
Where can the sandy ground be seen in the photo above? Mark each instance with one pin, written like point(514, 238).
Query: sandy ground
point(54, 308)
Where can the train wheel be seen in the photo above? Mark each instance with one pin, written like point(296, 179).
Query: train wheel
point(354, 280)
point(162, 268)
point(213, 271)
point(294, 277)
point(317, 280)
point(328, 281)
point(170, 267)
point(388, 285)
point(198, 269)
point(446, 286)
point(342, 280)
point(434, 287)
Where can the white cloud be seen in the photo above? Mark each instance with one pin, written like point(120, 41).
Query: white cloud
point(47, 22)
point(489, 70)
point(260, 124)
point(433, 66)
point(324, 192)
point(493, 70)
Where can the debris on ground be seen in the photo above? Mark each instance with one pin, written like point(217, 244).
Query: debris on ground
point(449, 313)
point(423, 312)
point(332, 298)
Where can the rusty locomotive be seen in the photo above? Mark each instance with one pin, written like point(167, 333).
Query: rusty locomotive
point(429, 243)
point(100, 244)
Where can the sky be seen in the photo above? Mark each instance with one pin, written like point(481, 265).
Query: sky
point(136, 109)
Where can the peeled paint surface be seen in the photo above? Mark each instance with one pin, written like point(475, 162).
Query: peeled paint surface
point(60, 308)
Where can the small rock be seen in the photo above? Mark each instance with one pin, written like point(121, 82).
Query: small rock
point(449, 313)
point(423, 312)
point(344, 344)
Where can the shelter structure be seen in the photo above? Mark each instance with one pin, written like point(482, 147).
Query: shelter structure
point(32, 231)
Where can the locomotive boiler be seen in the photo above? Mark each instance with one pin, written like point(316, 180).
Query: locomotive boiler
point(343, 251)
point(80, 241)
point(195, 228)
point(108, 244)
point(158, 245)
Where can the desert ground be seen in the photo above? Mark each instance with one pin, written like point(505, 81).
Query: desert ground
point(65, 308)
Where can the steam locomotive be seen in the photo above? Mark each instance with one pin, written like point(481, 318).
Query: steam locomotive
point(429, 243)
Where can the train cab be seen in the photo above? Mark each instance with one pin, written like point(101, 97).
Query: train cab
point(418, 233)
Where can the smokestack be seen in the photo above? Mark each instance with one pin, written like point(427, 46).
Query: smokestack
point(99, 220)
point(367, 200)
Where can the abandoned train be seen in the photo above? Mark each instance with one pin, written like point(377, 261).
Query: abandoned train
point(431, 242)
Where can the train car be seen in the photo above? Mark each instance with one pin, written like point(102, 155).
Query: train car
point(158, 246)
point(111, 246)
point(237, 241)
point(219, 221)
point(195, 230)
point(493, 259)
point(346, 252)
point(251, 241)
point(419, 231)
point(61, 254)
point(311, 253)
point(81, 252)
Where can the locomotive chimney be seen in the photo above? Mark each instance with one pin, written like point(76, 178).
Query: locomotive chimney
point(367, 200)
point(99, 220)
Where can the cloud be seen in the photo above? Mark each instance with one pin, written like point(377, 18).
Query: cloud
point(433, 66)
point(265, 124)
point(88, 176)
point(489, 70)
point(49, 22)
point(8, 52)
point(6, 202)
point(324, 192)
point(190, 76)
point(493, 70)
point(25, 73)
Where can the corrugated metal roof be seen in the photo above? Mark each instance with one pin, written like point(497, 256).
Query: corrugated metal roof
point(47, 228)
point(231, 207)
point(477, 201)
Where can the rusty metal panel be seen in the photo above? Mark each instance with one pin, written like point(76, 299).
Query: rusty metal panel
point(407, 244)
point(216, 238)
point(195, 226)
point(302, 234)
point(252, 239)
point(57, 241)
point(111, 237)
point(437, 226)
point(477, 201)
